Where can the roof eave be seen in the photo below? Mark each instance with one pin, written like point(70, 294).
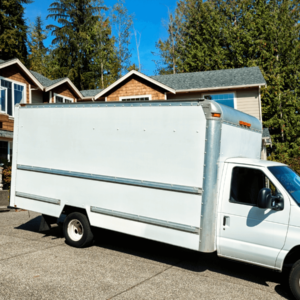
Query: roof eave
point(133, 72)
point(20, 64)
point(222, 88)
point(66, 80)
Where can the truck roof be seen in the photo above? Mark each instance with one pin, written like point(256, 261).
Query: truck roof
point(253, 162)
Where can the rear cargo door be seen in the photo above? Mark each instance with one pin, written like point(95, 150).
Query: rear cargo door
point(247, 232)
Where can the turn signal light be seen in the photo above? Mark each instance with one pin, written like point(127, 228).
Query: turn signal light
point(216, 115)
point(245, 124)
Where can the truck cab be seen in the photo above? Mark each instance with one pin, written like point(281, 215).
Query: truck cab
point(258, 213)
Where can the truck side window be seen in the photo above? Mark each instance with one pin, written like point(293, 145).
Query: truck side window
point(246, 184)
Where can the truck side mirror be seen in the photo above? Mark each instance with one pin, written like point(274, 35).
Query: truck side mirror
point(264, 199)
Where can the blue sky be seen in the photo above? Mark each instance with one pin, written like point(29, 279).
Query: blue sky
point(148, 21)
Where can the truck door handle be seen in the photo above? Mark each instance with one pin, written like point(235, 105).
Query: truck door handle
point(226, 221)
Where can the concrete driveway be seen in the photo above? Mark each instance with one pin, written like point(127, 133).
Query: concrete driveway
point(37, 265)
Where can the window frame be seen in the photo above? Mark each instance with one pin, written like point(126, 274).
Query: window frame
point(243, 203)
point(4, 89)
point(64, 97)
point(136, 97)
point(220, 93)
point(24, 100)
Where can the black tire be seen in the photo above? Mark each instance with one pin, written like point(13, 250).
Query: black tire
point(77, 230)
point(294, 280)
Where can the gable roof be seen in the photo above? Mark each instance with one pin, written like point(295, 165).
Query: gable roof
point(44, 80)
point(229, 78)
point(133, 72)
point(41, 81)
point(90, 93)
point(6, 63)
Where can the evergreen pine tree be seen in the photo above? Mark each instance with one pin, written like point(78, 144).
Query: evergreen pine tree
point(38, 51)
point(221, 34)
point(106, 63)
point(122, 23)
point(13, 30)
point(168, 50)
point(73, 52)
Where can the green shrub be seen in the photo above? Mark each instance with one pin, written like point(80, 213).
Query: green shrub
point(6, 174)
point(6, 177)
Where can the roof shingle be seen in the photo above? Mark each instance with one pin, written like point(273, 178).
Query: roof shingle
point(44, 80)
point(212, 79)
point(90, 93)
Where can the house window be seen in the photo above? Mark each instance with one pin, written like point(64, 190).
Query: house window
point(225, 99)
point(136, 98)
point(11, 93)
point(62, 99)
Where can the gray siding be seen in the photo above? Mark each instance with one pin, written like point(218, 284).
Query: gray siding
point(247, 100)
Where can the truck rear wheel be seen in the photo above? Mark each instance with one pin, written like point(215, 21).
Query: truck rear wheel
point(294, 280)
point(77, 230)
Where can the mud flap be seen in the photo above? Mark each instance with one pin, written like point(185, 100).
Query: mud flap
point(46, 222)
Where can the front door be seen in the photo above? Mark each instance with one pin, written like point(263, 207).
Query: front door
point(246, 232)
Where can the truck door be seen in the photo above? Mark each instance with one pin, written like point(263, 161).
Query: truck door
point(247, 232)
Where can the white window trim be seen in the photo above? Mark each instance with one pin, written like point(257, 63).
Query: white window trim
point(5, 89)
point(13, 94)
point(234, 97)
point(136, 97)
point(62, 97)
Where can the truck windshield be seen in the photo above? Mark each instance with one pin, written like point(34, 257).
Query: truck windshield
point(289, 179)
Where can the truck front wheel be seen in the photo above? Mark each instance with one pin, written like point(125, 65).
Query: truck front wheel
point(294, 280)
point(77, 230)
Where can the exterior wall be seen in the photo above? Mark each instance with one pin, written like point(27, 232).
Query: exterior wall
point(15, 73)
point(184, 96)
point(247, 100)
point(37, 97)
point(135, 86)
point(6, 123)
point(63, 90)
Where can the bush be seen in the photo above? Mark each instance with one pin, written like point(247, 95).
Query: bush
point(6, 177)
point(6, 174)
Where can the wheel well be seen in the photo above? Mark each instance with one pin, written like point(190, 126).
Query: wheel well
point(292, 257)
point(69, 209)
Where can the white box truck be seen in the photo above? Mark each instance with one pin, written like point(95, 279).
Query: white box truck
point(186, 173)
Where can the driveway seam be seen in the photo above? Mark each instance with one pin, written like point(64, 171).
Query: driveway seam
point(23, 254)
point(140, 283)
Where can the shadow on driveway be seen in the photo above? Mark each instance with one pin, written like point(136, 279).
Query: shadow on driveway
point(185, 259)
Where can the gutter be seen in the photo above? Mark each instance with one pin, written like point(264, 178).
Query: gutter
point(222, 88)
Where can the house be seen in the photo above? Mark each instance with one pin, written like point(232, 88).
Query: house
point(20, 85)
point(237, 88)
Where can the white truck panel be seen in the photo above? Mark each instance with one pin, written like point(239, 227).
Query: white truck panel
point(162, 144)
point(161, 234)
point(157, 144)
point(158, 204)
point(237, 142)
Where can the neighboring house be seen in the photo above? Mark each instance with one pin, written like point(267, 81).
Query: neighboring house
point(19, 85)
point(237, 88)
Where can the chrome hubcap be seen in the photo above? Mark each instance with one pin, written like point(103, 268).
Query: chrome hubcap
point(75, 230)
